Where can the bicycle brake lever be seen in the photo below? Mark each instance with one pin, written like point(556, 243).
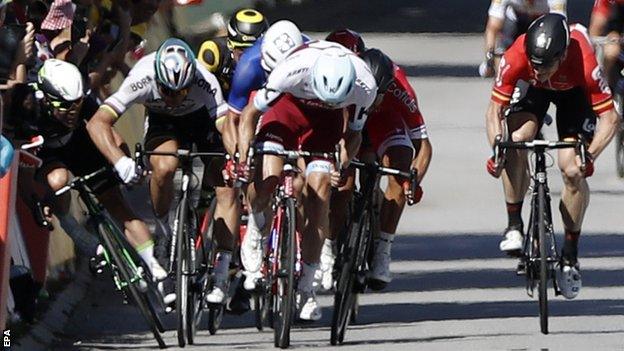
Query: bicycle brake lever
point(413, 179)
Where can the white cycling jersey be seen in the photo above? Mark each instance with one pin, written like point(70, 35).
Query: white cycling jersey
point(140, 87)
point(532, 8)
point(293, 76)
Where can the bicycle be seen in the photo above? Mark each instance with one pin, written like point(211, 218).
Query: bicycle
point(130, 275)
point(355, 244)
point(617, 77)
point(282, 266)
point(193, 277)
point(539, 254)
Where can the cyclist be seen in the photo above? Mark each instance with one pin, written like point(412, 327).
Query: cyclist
point(182, 100)
point(612, 26)
point(398, 138)
point(508, 19)
point(316, 97)
point(57, 108)
point(220, 55)
point(250, 75)
point(551, 64)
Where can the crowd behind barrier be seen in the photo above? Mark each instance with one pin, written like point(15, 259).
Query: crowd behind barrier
point(103, 38)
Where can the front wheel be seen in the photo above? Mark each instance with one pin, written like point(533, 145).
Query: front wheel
point(285, 294)
point(544, 265)
point(183, 266)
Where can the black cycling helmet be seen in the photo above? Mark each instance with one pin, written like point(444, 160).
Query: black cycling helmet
point(382, 68)
point(547, 39)
point(245, 27)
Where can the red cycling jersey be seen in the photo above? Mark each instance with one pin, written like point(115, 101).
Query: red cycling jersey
point(578, 69)
point(400, 100)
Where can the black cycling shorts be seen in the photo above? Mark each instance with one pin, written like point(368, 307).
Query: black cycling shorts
point(197, 128)
point(81, 157)
point(574, 112)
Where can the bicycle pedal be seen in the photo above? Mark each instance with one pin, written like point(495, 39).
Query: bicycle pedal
point(521, 268)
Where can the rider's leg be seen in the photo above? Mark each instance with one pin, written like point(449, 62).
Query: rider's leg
point(135, 229)
point(399, 157)
point(259, 194)
point(317, 193)
point(574, 202)
point(523, 126)
point(161, 182)
point(57, 176)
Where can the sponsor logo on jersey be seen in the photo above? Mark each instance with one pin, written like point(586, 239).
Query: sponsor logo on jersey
point(141, 84)
point(403, 96)
point(297, 71)
point(202, 83)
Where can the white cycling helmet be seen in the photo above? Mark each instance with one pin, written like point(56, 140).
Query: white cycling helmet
point(60, 80)
point(175, 64)
point(279, 41)
point(333, 77)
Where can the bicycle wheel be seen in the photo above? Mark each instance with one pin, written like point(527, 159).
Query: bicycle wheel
point(198, 281)
point(543, 249)
point(260, 308)
point(182, 269)
point(114, 250)
point(285, 294)
point(345, 296)
point(215, 317)
point(619, 152)
point(203, 259)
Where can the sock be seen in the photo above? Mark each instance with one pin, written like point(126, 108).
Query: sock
point(222, 264)
point(307, 276)
point(146, 251)
point(570, 246)
point(84, 242)
point(514, 215)
point(256, 219)
point(384, 242)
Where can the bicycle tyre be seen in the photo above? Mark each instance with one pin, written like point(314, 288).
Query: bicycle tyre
point(215, 317)
point(147, 311)
point(345, 296)
point(619, 152)
point(182, 281)
point(203, 258)
point(285, 294)
point(543, 249)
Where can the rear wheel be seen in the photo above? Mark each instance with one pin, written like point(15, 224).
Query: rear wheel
point(203, 259)
point(345, 297)
point(544, 265)
point(126, 273)
point(285, 294)
point(619, 152)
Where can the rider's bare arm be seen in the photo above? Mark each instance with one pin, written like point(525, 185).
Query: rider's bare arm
point(423, 157)
point(230, 132)
point(493, 27)
point(100, 128)
point(606, 127)
point(246, 130)
point(493, 119)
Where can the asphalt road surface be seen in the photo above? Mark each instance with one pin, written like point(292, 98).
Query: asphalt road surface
point(452, 289)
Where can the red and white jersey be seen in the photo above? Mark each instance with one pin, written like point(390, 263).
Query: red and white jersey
point(578, 69)
point(400, 99)
point(294, 76)
point(531, 8)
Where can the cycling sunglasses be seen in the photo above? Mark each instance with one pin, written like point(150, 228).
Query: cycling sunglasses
point(65, 105)
point(173, 93)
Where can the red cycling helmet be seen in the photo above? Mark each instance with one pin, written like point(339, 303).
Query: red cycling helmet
point(349, 39)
